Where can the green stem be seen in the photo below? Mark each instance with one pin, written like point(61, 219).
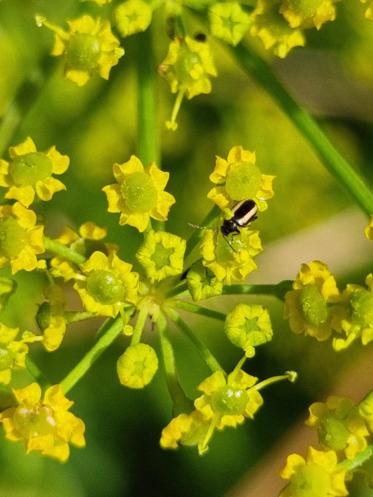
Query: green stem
point(148, 143)
point(176, 290)
point(180, 400)
point(139, 326)
point(92, 355)
point(289, 375)
point(331, 158)
point(63, 251)
point(196, 309)
point(357, 461)
point(204, 351)
point(36, 373)
point(77, 316)
point(278, 290)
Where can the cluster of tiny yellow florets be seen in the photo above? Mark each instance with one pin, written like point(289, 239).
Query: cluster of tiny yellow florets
point(317, 308)
point(345, 433)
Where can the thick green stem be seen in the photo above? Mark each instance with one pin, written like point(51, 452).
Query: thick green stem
point(331, 158)
point(63, 251)
point(196, 309)
point(204, 351)
point(92, 355)
point(278, 290)
point(180, 400)
point(148, 142)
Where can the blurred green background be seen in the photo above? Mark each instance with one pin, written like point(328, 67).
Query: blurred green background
point(96, 126)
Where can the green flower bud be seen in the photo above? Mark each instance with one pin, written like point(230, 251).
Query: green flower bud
point(229, 400)
point(313, 305)
point(137, 366)
point(105, 287)
point(83, 52)
point(30, 168)
point(243, 181)
point(139, 192)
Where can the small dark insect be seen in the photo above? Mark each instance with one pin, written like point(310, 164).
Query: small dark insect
point(243, 214)
point(200, 37)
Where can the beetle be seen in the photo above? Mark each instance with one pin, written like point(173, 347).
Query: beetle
point(243, 214)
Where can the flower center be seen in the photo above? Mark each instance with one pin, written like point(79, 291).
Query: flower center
point(139, 192)
point(361, 303)
point(30, 168)
point(34, 422)
point(105, 287)
point(161, 256)
point(187, 65)
point(310, 481)
point(229, 400)
point(6, 358)
point(333, 433)
point(315, 310)
point(243, 181)
point(13, 237)
point(83, 52)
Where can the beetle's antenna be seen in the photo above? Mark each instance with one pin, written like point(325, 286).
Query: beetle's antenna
point(198, 227)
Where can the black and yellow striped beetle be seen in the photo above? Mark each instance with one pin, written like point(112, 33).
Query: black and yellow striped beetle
point(243, 214)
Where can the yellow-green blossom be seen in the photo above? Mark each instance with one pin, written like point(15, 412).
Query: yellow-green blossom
point(44, 423)
point(161, 255)
point(340, 426)
point(230, 261)
point(248, 326)
point(132, 16)
point(202, 283)
point(89, 47)
point(137, 366)
point(187, 67)
point(226, 401)
point(29, 172)
point(21, 239)
point(308, 14)
point(239, 178)
point(51, 317)
point(229, 22)
point(369, 229)
point(274, 31)
point(353, 317)
point(13, 352)
point(318, 476)
point(306, 306)
point(86, 241)
point(107, 284)
point(366, 410)
point(139, 194)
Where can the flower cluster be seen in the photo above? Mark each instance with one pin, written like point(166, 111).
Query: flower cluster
point(316, 307)
point(344, 430)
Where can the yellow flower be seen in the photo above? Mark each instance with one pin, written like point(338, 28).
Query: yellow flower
point(230, 262)
point(29, 173)
point(239, 178)
point(340, 426)
point(139, 194)
point(133, 16)
point(43, 423)
point(185, 429)
point(353, 318)
point(319, 476)
point(248, 326)
point(187, 67)
point(229, 22)
point(306, 14)
point(202, 283)
point(89, 47)
point(21, 239)
point(161, 255)
point(85, 242)
point(306, 306)
point(107, 285)
point(13, 352)
point(51, 317)
point(137, 366)
point(274, 31)
point(369, 229)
